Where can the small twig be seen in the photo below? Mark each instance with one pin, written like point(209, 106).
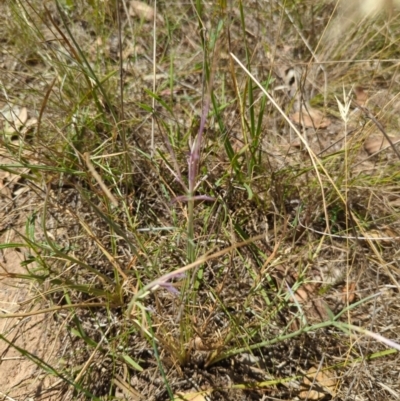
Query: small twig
point(315, 382)
point(89, 361)
point(44, 104)
point(345, 236)
point(55, 309)
point(96, 176)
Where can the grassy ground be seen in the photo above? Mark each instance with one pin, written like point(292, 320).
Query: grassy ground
point(204, 198)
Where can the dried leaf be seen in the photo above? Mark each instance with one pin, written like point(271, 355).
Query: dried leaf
point(390, 233)
point(7, 179)
point(361, 95)
point(305, 292)
point(318, 385)
point(319, 310)
point(5, 191)
point(31, 122)
point(385, 235)
point(296, 143)
point(28, 126)
point(141, 10)
point(376, 143)
point(310, 118)
point(127, 389)
point(14, 118)
point(198, 396)
point(9, 118)
point(349, 293)
point(301, 296)
point(22, 117)
point(395, 202)
point(199, 345)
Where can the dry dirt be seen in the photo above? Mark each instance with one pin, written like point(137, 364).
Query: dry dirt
point(20, 378)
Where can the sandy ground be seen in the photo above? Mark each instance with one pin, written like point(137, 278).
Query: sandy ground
point(20, 378)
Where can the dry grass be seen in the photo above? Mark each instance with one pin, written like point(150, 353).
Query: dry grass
point(204, 199)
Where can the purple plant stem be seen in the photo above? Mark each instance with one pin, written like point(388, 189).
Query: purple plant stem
point(194, 158)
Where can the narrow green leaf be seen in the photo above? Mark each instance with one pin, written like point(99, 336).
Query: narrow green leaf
point(131, 362)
